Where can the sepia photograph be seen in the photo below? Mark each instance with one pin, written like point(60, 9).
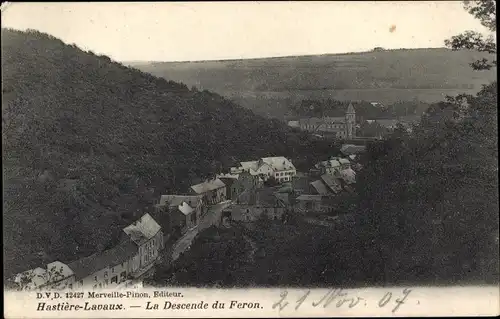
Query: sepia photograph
point(249, 145)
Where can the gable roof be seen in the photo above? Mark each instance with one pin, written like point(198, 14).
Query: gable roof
point(176, 200)
point(251, 165)
point(320, 188)
point(278, 163)
point(185, 209)
point(333, 183)
point(142, 230)
point(117, 255)
point(208, 186)
point(344, 161)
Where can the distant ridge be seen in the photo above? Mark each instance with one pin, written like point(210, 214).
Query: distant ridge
point(270, 86)
point(279, 57)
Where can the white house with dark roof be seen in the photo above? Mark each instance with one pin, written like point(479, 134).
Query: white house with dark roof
point(212, 190)
point(279, 167)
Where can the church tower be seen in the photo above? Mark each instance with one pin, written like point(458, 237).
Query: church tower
point(350, 120)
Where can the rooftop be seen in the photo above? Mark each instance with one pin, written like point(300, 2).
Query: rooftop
point(142, 230)
point(208, 186)
point(279, 163)
point(333, 183)
point(117, 255)
point(320, 187)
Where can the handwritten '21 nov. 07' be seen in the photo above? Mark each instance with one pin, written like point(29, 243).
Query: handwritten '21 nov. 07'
point(340, 298)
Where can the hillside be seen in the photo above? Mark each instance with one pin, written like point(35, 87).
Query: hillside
point(89, 143)
point(270, 86)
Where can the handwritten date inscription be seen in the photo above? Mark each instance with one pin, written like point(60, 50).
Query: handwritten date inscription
point(340, 298)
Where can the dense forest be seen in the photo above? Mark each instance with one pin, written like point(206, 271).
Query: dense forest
point(89, 144)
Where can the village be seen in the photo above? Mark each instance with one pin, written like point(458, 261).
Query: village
point(269, 187)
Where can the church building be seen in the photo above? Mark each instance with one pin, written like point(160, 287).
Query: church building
point(343, 127)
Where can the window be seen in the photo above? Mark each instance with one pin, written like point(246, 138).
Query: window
point(113, 269)
point(70, 286)
point(114, 279)
point(123, 275)
point(95, 278)
point(105, 274)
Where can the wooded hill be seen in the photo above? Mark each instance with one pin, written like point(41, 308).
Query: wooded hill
point(271, 86)
point(89, 143)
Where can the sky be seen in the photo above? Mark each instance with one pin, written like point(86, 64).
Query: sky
point(190, 31)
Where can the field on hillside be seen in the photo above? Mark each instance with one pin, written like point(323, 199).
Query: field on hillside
point(268, 86)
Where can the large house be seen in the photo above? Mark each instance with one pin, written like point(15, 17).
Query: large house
point(280, 168)
point(212, 190)
point(254, 204)
point(342, 127)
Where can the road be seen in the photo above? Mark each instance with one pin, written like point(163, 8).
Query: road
point(212, 217)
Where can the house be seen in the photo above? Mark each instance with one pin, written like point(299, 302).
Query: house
point(342, 127)
point(213, 191)
point(344, 163)
point(106, 269)
point(316, 204)
point(56, 276)
point(238, 183)
point(319, 188)
point(279, 168)
point(183, 211)
point(283, 169)
point(254, 204)
point(148, 236)
point(331, 166)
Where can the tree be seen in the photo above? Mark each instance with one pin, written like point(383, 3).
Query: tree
point(426, 198)
point(485, 11)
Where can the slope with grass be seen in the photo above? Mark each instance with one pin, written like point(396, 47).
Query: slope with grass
point(269, 86)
